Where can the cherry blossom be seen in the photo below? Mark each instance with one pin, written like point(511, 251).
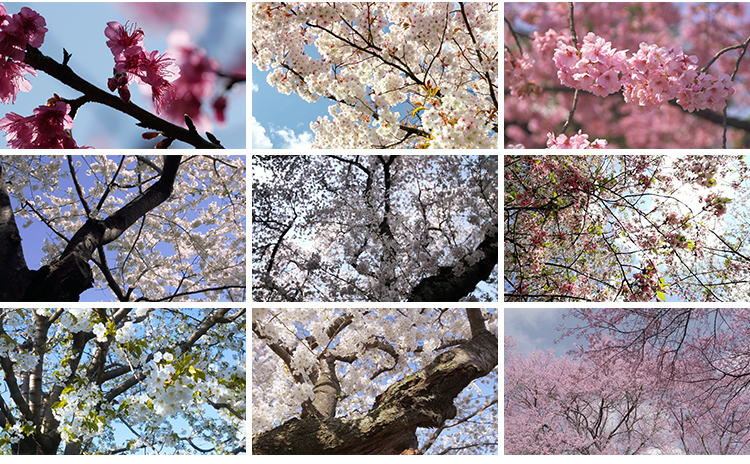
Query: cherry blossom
point(634, 228)
point(191, 246)
point(662, 76)
point(432, 67)
point(49, 127)
point(375, 228)
point(19, 30)
point(577, 141)
point(97, 369)
point(21, 36)
point(370, 350)
point(643, 381)
point(134, 61)
point(197, 81)
point(12, 80)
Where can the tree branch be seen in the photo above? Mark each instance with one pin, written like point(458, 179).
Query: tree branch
point(447, 286)
point(424, 399)
point(69, 276)
point(14, 273)
point(64, 74)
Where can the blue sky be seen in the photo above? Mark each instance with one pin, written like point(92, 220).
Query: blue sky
point(220, 28)
point(536, 329)
point(281, 121)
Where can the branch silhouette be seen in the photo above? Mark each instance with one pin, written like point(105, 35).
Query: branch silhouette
point(91, 93)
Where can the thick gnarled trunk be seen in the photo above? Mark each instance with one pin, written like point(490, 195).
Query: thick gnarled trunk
point(14, 274)
point(423, 399)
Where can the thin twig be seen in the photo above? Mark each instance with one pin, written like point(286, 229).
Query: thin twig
point(572, 110)
point(575, 44)
point(572, 25)
point(518, 42)
point(721, 52)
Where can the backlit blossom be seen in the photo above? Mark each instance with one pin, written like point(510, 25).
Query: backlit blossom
point(49, 127)
point(18, 30)
point(28, 24)
point(12, 79)
point(136, 63)
point(120, 38)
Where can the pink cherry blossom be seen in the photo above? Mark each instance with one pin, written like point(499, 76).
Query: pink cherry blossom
point(576, 141)
point(134, 61)
point(19, 30)
point(49, 127)
point(670, 45)
point(120, 38)
point(27, 24)
point(12, 79)
point(197, 80)
point(583, 69)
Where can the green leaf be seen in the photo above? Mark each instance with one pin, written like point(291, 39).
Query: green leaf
point(690, 245)
point(661, 296)
point(60, 404)
point(196, 373)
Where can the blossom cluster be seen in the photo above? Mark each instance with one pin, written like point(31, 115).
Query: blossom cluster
point(596, 67)
point(658, 74)
point(575, 141)
point(536, 101)
point(49, 127)
point(16, 32)
point(134, 62)
point(651, 77)
point(428, 36)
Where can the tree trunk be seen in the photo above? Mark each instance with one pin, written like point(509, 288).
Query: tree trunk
point(14, 274)
point(423, 399)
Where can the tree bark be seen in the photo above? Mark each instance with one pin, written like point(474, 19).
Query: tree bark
point(70, 275)
point(447, 286)
point(423, 399)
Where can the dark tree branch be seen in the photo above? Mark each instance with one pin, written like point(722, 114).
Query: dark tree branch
point(14, 273)
point(447, 286)
point(64, 74)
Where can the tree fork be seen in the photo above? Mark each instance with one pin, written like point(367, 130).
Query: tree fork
point(70, 275)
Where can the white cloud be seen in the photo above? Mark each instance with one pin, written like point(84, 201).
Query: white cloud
point(260, 140)
point(255, 87)
point(294, 141)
